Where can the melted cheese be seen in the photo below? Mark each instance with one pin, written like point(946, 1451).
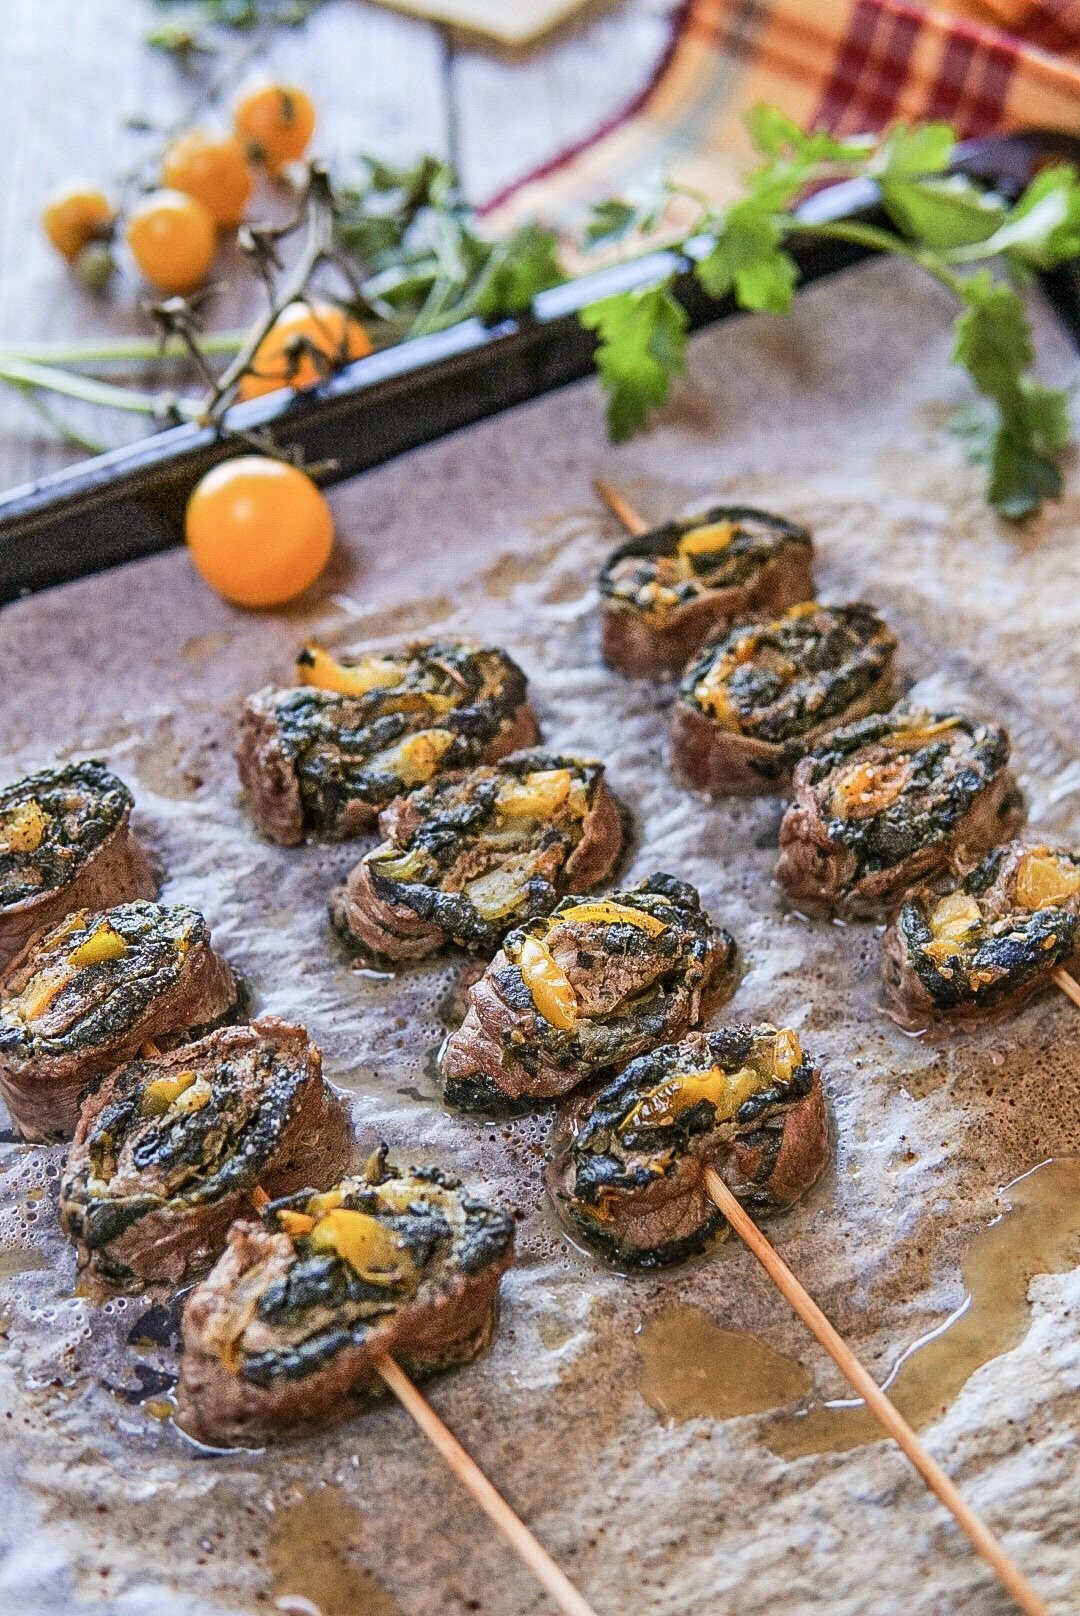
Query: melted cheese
point(952, 920)
point(23, 831)
point(375, 1252)
point(607, 913)
point(415, 759)
point(671, 1099)
point(551, 989)
point(317, 667)
point(707, 540)
point(1044, 878)
point(103, 944)
point(539, 795)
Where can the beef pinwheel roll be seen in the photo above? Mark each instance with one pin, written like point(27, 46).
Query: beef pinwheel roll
point(65, 843)
point(745, 1101)
point(754, 701)
point(171, 1148)
point(89, 993)
point(885, 802)
point(286, 1330)
point(477, 852)
point(664, 592)
point(320, 759)
point(985, 940)
point(580, 993)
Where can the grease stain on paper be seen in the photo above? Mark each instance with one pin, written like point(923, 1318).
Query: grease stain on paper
point(1038, 1234)
point(690, 1368)
point(311, 1565)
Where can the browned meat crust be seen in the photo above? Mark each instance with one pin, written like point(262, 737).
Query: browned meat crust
point(169, 1149)
point(284, 1334)
point(630, 1178)
point(981, 942)
point(89, 993)
point(477, 853)
point(883, 803)
point(65, 844)
point(621, 986)
point(321, 763)
point(659, 603)
point(761, 696)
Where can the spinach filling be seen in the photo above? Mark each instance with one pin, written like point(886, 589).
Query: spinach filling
point(91, 979)
point(661, 1111)
point(447, 706)
point(1008, 922)
point(659, 959)
point(490, 846)
point(51, 822)
point(894, 783)
point(201, 1131)
point(774, 681)
point(376, 1242)
point(671, 566)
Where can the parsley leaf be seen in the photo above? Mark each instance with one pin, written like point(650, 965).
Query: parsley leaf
point(641, 348)
point(748, 257)
point(1028, 425)
point(939, 220)
point(942, 213)
point(924, 149)
point(1043, 228)
point(774, 134)
point(525, 263)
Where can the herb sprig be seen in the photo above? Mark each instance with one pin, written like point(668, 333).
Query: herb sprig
point(945, 223)
point(410, 257)
point(184, 31)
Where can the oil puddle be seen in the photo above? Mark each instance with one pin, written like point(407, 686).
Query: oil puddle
point(162, 765)
point(1039, 1234)
point(200, 648)
point(692, 1369)
point(21, 1260)
point(311, 1566)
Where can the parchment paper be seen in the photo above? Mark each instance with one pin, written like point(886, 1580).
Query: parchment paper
point(834, 417)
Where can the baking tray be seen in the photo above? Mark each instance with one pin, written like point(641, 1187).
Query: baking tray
point(586, 1411)
point(129, 503)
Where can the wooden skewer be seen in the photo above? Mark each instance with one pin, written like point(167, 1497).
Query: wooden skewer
point(875, 1399)
point(635, 524)
point(881, 1406)
point(1068, 984)
point(473, 1479)
point(621, 508)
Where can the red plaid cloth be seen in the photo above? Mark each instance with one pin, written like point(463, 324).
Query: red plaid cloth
point(848, 66)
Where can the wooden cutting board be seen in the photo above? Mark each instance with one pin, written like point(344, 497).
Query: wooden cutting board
point(512, 22)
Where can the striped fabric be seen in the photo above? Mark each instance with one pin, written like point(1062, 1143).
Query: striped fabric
point(849, 66)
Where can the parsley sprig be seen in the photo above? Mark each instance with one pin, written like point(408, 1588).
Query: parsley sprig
point(946, 223)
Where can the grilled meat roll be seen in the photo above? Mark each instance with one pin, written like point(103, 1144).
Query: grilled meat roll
point(86, 995)
point(885, 802)
point(744, 1100)
point(285, 1331)
point(170, 1148)
point(664, 592)
point(581, 992)
point(477, 852)
point(984, 940)
point(321, 759)
point(65, 843)
point(758, 697)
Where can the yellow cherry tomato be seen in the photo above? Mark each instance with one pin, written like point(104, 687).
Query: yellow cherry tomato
point(214, 168)
point(75, 217)
point(173, 240)
point(284, 357)
point(276, 123)
point(258, 530)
